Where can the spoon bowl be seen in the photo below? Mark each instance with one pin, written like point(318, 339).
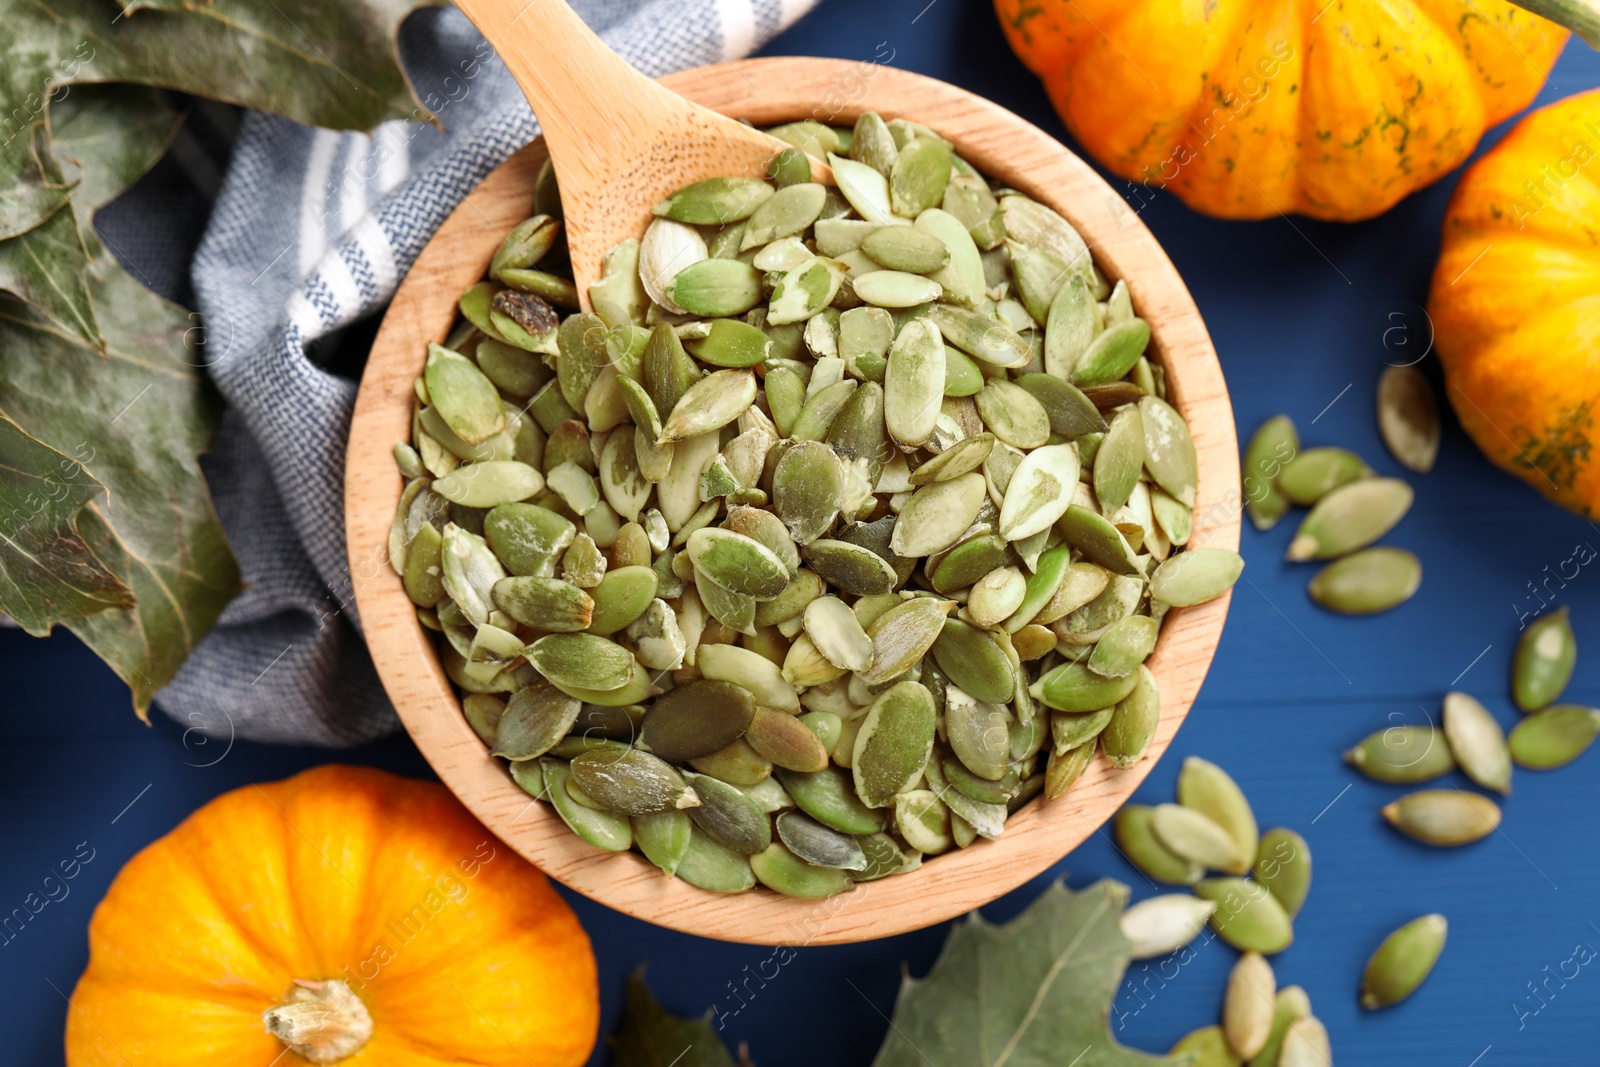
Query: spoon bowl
point(1007, 149)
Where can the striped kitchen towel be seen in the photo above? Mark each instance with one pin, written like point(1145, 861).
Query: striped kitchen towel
point(310, 233)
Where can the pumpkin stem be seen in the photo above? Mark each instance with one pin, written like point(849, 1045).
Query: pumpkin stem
point(1582, 17)
point(322, 1022)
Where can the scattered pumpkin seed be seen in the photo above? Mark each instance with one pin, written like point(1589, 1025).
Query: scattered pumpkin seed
point(1208, 789)
point(1403, 755)
point(1247, 917)
point(1351, 517)
point(1139, 844)
point(1272, 446)
point(1543, 662)
point(1283, 865)
point(1162, 925)
point(1408, 417)
point(1554, 737)
point(1369, 581)
point(1316, 472)
point(1247, 1005)
point(1194, 836)
point(1477, 742)
point(1403, 962)
point(1444, 817)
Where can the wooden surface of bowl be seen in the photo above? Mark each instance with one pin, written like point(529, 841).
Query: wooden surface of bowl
point(768, 91)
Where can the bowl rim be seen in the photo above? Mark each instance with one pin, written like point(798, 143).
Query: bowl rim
point(1005, 148)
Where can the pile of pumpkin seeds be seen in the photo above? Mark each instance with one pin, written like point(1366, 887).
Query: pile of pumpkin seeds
point(842, 527)
point(1351, 508)
point(1212, 828)
point(1469, 738)
point(1262, 1025)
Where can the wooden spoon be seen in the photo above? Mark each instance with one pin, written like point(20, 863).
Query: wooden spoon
point(620, 142)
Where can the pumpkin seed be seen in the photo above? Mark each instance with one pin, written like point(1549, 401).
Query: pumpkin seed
point(921, 172)
point(1161, 925)
point(1112, 353)
point(1049, 572)
point(1444, 817)
point(1316, 472)
point(1477, 742)
point(1291, 1005)
point(731, 343)
point(963, 457)
point(1102, 543)
point(1351, 517)
point(1013, 415)
point(1543, 662)
point(913, 383)
point(971, 659)
point(715, 201)
point(714, 867)
point(1169, 454)
point(526, 244)
point(1119, 460)
point(892, 747)
point(728, 817)
point(838, 634)
point(1074, 687)
point(1140, 846)
point(1554, 737)
point(1208, 789)
point(1192, 835)
point(1403, 962)
point(819, 845)
point(785, 741)
point(1081, 585)
point(709, 404)
point(1403, 755)
point(544, 603)
point(864, 188)
point(1195, 576)
point(752, 671)
point(697, 720)
point(667, 248)
point(853, 569)
point(1031, 223)
point(529, 776)
point(1408, 417)
point(738, 765)
point(968, 561)
point(1124, 647)
point(1065, 768)
point(884, 857)
point(489, 483)
point(905, 248)
point(1205, 1047)
point(962, 277)
point(1247, 916)
point(1068, 730)
point(779, 869)
point(602, 829)
point(923, 821)
point(807, 489)
point(469, 571)
point(1369, 581)
point(1305, 1044)
point(631, 782)
point(805, 290)
point(980, 819)
point(663, 837)
point(979, 733)
point(463, 396)
point(1283, 865)
point(937, 514)
point(995, 596)
point(829, 797)
point(737, 562)
point(535, 718)
point(1274, 443)
point(981, 337)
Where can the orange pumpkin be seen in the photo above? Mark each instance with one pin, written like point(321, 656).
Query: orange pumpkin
point(365, 918)
point(1516, 302)
point(1250, 108)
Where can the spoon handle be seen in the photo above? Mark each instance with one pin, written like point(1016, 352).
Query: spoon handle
point(590, 103)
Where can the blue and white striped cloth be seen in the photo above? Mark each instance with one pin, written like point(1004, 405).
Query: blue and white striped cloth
point(311, 231)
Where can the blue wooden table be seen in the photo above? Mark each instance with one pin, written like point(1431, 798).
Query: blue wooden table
point(1305, 315)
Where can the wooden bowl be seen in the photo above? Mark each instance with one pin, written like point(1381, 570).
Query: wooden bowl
point(769, 91)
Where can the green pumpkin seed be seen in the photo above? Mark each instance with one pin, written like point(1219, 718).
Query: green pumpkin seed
point(981, 789)
point(995, 596)
point(873, 144)
point(1247, 916)
point(963, 457)
point(727, 816)
point(805, 290)
point(551, 288)
point(1208, 789)
point(1074, 687)
point(483, 712)
point(884, 857)
point(801, 590)
point(1039, 492)
point(1112, 353)
point(602, 829)
point(1369, 581)
point(1068, 729)
point(731, 343)
point(1316, 472)
point(829, 797)
point(974, 818)
point(785, 741)
point(913, 383)
point(905, 248)
point(971, 659)
point(937, 515)
point(1013, 415)
point(968, 561)
point(1063, 769)
point(738, 765)
point(529, 776)
point(819, 845)
point(1273, 445)
point(779, 869)
point(544, 603)
point(631, 782)
point(424, 567)
point(1194, 836)
point(1205, 1047)
point(981, 337)
point(752, 671)
point(1169, 453)
point(1403, 755)
point(923, 821)
point(713, 867)
point(979, 733)
point(710, 404)
point(838, 634)
point(1081, 585)
point(921, 172)
point(489, 483)
point(697, 720)
point(863, 187)
point(1477, 742)
point(1543, 662)
point(1290, 1005)
point(1030, 222)
point(1195, 576)
point(961, 375)
point(463, 396)
point(468, 571)
point(962, 277)
point(620, 599)
point(851, 568)
point(581, 660)
point(1351, 517)
point(1408, 417)
point(1050, 571)
point(715, 201)
point(525, 245)
point(663, 837)
point(716, 287)
point(1124, 647)
point(1403, 962)
point(1161, 925)
point(892, 747)
point(807, 489)
point(1099, 541)
point(1283, 865)
point(1554, 737)
point(1444, 817)
point(535, 718)
point(1140, 846)
point(737, 562)
point(1119, 460)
